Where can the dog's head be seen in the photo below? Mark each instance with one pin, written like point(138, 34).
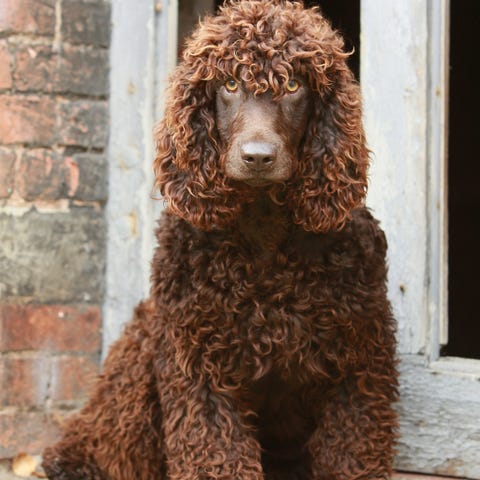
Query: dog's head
point(263, 99)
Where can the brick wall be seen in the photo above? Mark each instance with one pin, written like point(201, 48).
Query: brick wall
point(53, 187)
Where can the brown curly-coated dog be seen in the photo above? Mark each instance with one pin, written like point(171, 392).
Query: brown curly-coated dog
point(267, 348)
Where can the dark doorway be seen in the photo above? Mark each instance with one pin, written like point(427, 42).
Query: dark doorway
point(345, 17)
point(463, 175)
point(189, 12)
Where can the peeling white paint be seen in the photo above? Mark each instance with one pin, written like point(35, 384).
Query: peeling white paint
point(439, 418)
point(394, 87)
point(403, 67)
point(138, 64)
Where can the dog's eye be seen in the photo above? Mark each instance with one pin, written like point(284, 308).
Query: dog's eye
point(292, 85)
point(231, 85)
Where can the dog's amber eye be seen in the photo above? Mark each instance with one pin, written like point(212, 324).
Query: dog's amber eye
point(292, 85)
point(231, 85)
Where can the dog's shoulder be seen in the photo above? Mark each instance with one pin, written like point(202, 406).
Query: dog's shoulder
point(360, 241)
point(366, 230)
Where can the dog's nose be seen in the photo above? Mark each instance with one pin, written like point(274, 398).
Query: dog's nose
point(258, 155)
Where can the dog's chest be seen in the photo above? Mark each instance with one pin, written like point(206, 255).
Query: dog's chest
point(279, 312)
point(286, 310)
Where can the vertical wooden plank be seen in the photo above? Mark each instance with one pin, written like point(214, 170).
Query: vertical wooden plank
point(437, 173)
point(130, 210)
point(394, 87)
point(166, 49)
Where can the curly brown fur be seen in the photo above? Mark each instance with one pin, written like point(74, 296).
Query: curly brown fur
point(267, 347)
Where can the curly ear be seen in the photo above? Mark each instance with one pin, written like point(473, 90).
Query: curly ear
point(331, 178)
point(187, 162)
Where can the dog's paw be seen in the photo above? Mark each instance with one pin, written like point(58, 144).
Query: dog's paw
point(60, 469)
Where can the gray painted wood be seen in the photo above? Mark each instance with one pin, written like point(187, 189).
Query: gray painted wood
point(137, 71)
point(394, 86)
point(404, 55)
point(440, 417)
point(437, 203)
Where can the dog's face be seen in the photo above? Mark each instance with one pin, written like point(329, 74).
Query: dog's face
point(263, 100)
point(261, 133)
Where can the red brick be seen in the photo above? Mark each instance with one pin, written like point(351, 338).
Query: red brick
point(35, 68)
point(27, 431)
point(24, 381)
point(29, 380)
point(28, 16)
point(26, 119)
point(5, 65)
point(57, 328)
point(7, 171)
point(93, 63)
point(93, 179)
point(39, 68)
point(86, 22)
point(83, 123)
point(73, 377)
point(43, 174)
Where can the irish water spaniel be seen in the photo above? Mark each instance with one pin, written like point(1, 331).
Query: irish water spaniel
point(266, 349)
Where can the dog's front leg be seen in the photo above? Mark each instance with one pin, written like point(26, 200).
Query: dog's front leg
point(356, 429)
point(205, 435)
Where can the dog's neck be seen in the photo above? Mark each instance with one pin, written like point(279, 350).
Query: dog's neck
point(264, 224)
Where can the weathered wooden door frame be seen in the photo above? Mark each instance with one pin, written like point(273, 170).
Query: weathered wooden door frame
point(404, 66)
point(143, 51)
